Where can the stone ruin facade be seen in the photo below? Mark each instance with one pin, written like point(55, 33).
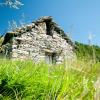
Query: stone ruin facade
point(40, 40)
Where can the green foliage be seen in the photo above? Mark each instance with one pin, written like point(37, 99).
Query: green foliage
point(25, 80)
point(87, 52)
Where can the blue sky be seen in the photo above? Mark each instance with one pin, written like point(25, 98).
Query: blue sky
point(80, 17)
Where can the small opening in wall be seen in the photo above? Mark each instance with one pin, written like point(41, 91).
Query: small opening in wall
point(48, 28)
point(50, 58)
point(18, 43)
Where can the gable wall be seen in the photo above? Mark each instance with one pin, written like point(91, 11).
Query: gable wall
point(35, 43)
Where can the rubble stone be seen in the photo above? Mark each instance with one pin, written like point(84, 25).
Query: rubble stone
point(35, 43)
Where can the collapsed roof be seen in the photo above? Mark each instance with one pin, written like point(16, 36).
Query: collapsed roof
point(19, 31)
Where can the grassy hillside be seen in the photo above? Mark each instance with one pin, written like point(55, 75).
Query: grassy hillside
point(25, 80)
point(87, 52)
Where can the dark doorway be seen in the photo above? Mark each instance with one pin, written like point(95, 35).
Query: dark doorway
point(50, 58)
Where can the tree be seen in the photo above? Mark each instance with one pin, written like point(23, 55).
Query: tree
point(12, 3)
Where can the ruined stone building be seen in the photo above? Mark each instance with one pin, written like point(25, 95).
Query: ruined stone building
point(40, 40)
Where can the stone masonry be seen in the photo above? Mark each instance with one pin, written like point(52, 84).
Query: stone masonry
point(40, 40)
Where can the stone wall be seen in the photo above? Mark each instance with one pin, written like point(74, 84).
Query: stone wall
point(35, 41)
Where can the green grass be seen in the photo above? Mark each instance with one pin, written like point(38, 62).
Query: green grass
point(25, 80)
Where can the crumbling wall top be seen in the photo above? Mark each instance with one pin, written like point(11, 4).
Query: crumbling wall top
point(46, 19)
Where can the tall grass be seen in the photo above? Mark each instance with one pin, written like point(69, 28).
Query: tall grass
point(25, 80)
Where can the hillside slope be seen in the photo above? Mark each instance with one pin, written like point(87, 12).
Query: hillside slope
point(86, 51)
